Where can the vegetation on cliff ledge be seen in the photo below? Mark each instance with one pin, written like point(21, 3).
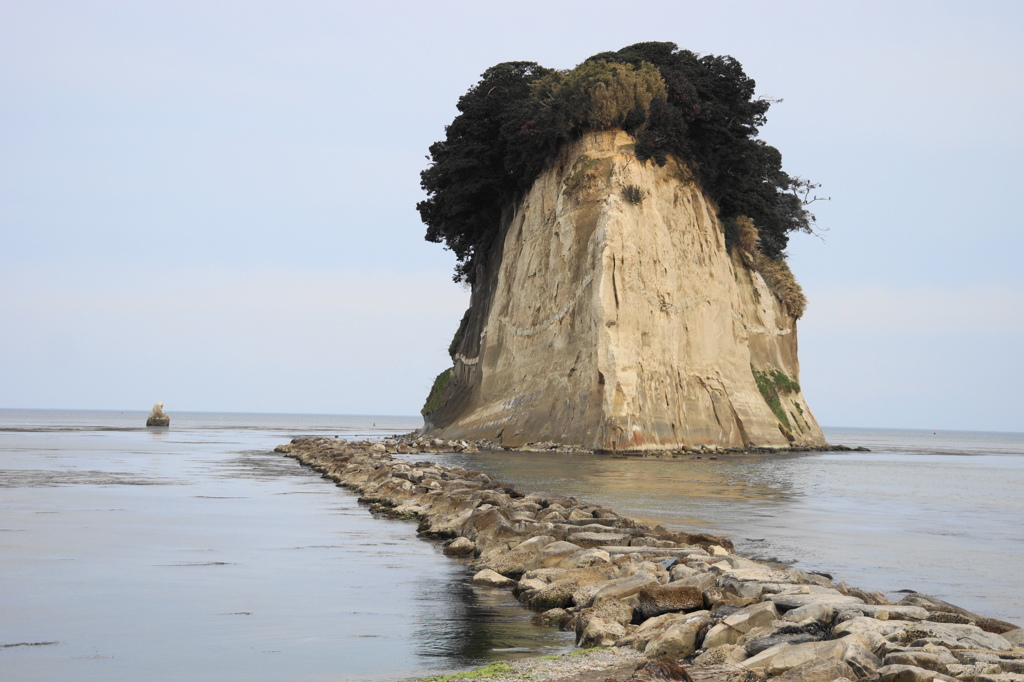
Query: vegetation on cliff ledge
point(773, 385)
point(775, 271)
point(700, 109)
point(437, 391)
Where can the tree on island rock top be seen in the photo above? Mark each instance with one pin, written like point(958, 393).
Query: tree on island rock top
point(623, 231)
point(699, 109)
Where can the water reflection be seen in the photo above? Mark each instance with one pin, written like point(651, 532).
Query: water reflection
point(677, 493)
point(246, 565)
point(472, 625)
point(915, 512)
point(242, 565)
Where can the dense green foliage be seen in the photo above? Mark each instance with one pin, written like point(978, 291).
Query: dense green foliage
point(701, 110)
point(489, 155)
point(598, 94)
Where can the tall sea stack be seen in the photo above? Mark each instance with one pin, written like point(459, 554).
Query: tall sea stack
point(612, 310)
point(158, 417)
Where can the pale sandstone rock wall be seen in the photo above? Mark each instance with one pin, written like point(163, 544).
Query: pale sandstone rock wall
point(614, 325)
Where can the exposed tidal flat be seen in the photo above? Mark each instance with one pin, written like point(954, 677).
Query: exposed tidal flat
point(197, 552)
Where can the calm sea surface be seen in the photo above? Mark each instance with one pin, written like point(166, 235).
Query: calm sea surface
point(941, 513)
point(196, 553)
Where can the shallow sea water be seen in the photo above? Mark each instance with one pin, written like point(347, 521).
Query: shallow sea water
point(195, 552)
point(936, 512)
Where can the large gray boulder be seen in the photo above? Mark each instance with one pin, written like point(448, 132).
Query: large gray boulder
point(650, 629)
point(790, 635)
point(1015, 637)
point(656, 599)
point(681, 638)
point(489, 578)
point(620, 588)
point(587, 540)
point(601, 632)
point(811, 612)
point(966, 636)
point(553, 554)
point(921, 659)
point(793, 655)
point(548, 588)
point(937, 606)
point(700, 580)
point(730, 630)
point(488, 528)
point(513, 563)
point(883, 612)
point(602, 625)
point(783, 657)
point(460, 547)
point(910, 673)
point(785, 602)
point(557, 594)
point(818, 671)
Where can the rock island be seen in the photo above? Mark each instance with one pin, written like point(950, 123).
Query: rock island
point(623, 232)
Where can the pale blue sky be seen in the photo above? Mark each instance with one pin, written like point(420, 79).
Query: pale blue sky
point(213, 203)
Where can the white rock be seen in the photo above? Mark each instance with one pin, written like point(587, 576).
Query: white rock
point(489, 578)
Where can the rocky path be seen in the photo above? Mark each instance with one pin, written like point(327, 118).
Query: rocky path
point(652, 593)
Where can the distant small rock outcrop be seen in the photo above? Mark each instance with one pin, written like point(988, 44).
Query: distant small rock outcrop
point(157, 417)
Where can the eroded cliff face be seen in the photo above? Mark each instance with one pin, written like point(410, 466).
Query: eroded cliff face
point(617, 325)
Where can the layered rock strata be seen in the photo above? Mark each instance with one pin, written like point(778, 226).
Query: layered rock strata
point(609, 314)
point(617, 582)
